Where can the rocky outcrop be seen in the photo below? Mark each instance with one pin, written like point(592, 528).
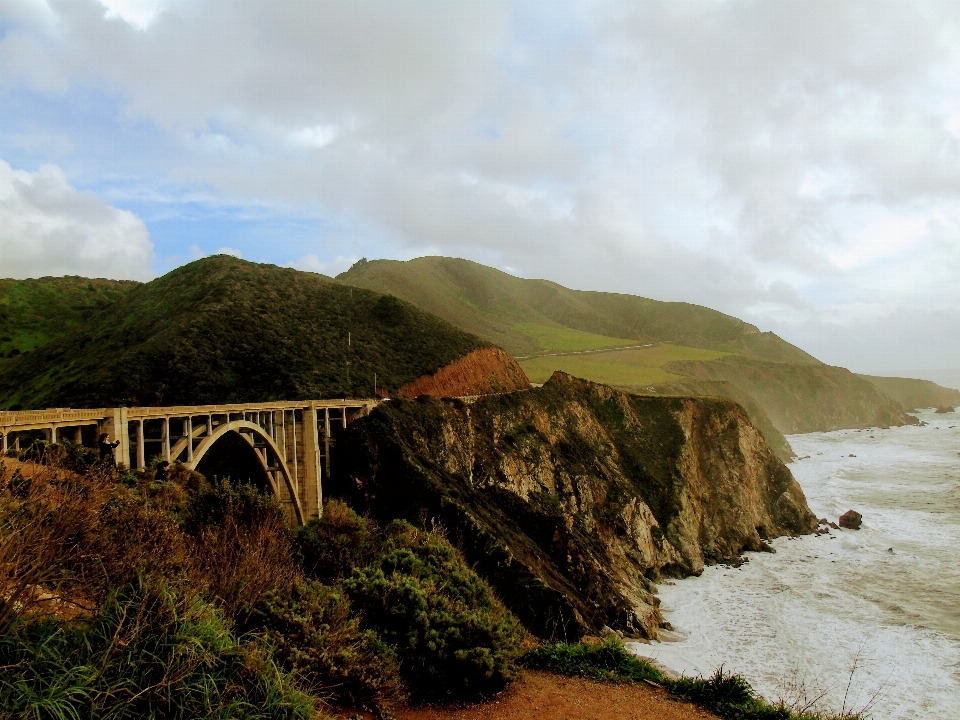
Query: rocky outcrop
point(851, 520)
point(573, 498)
point(481, 372)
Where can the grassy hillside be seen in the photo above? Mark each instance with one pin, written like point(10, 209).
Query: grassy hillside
point(635, 367)
point(225, 330)
point(34, 312)
point(528, 317)
point(594, 335)
point(912, 394)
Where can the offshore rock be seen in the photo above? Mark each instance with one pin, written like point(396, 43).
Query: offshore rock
point(851, 520)
point(571, 498)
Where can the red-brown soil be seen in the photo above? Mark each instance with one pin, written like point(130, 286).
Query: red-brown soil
point(543, 695)
point(481, 372)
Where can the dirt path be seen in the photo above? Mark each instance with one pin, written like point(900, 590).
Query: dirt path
point(542, 695)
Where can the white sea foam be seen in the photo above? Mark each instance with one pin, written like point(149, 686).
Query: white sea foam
point(857, 616)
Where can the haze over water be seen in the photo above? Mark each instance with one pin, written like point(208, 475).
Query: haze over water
point(885, 598)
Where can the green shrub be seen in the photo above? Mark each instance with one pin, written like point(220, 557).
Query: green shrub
point(610, 661)
point(313, 634)
point(149, 652)
point(213, 502)
point(729, 696)
point(240, 544)
point(453, 638)
point(330, 548)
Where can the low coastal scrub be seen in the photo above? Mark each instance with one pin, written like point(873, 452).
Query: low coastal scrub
point(729, 696)
point(124, 597)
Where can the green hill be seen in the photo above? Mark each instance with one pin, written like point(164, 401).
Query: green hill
point(913, 394)
point(34, 312)
point(529, 317)
point(225, 330)
point(637, 344)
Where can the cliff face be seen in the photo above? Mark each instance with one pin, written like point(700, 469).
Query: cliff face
point(481, 372)
point(572, 498)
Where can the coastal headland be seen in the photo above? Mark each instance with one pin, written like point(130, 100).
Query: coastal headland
point(472, 524)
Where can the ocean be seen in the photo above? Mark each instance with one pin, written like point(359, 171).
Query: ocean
point(858, 619)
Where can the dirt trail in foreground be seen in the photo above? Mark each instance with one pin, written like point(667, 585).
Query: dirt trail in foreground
point(542, 695)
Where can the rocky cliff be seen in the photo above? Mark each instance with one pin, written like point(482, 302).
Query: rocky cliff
point(573, 498)
point(481, 372)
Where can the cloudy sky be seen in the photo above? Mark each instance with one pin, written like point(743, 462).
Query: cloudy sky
point(793, 163)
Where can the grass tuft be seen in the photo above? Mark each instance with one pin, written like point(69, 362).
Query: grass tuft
point(729, 696)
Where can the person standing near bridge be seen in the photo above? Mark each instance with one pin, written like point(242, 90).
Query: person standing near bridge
point(106, 449)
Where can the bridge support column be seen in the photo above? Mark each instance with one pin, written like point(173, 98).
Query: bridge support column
point(189, 438)
point(166, 439)
point(115, 425)
point(311, 497)
point(6, 442)
point(141, 450)
point(326, 440)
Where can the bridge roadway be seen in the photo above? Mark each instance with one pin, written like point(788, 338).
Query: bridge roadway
point(290, 440)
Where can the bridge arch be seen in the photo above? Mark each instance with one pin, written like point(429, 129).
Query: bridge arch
point(273, 453)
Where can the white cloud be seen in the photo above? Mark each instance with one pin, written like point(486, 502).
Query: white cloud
point(228, 251)
point(794, 162)
point(312, 263)
point(138, 13)
point(47, 227)
point(314, 137)
point(882, 238)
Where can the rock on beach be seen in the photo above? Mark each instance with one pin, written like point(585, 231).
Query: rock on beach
point(851, 520)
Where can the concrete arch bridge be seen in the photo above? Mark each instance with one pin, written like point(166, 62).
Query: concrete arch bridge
point(282, 446)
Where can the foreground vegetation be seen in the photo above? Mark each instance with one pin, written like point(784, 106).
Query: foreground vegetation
point(123, 598)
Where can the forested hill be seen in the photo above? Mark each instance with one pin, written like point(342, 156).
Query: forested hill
point(225, 330)
point(34, 312)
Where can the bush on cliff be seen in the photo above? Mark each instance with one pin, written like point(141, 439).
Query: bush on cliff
point(314, 633)
point(452, 637)
point(330, 548)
